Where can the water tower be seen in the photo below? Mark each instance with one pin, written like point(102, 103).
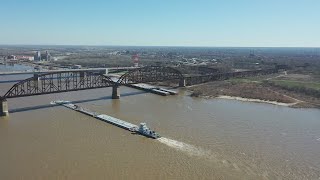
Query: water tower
point(135, 59)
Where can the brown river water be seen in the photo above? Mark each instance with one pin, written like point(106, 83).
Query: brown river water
point(202, 138)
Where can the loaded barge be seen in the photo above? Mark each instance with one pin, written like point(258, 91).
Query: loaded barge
point(141, 129)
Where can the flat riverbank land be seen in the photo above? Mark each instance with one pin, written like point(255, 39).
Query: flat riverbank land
point(294, 90)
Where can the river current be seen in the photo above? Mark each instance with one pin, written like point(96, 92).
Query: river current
point(202, 138)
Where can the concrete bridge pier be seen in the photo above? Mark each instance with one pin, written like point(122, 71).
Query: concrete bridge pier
point(4, 107)
point(36, 77)
point(182, 83)
point(115, 92)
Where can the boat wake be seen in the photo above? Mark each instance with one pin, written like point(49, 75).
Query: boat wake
point(186, 148)
point(205, 154)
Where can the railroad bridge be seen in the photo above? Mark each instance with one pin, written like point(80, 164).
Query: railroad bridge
point(74, 80)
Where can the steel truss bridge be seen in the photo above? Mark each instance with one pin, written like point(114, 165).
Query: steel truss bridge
point(65, 81)
point(58, 82)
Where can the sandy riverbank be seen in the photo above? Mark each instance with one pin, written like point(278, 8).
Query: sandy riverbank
point(256, 100)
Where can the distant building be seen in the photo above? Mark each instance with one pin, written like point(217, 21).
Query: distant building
point(29, 58)
point(12, 57)
point(37, 56)
point(48, 56)
point(42, 57)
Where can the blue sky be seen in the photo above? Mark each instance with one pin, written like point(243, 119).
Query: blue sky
point(245, 23)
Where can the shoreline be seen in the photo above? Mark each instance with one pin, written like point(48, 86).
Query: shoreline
point(256, 100)
point(254, 92)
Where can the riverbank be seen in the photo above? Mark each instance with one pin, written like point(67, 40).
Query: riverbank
point(254, 92)
point(256, 100)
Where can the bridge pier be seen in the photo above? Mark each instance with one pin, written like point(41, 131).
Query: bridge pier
point(36, 77)
point(115, 92)
point(4, 107)
point(182, 83)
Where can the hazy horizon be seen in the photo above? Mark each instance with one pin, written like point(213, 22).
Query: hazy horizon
point(157, 46)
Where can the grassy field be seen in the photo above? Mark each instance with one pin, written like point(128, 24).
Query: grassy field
point(296, 84)
point(302, 89)
point(290, 83)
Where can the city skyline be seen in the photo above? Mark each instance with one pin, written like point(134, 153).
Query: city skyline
point(161, 23)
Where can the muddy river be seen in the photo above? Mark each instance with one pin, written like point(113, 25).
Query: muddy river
point(202, 138)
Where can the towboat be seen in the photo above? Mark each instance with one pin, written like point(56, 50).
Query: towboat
point(144, 130)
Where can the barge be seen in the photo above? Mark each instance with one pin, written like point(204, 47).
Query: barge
point(141, 129)
point(152, 89)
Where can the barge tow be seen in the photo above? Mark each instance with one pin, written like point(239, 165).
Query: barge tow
point(141, 129)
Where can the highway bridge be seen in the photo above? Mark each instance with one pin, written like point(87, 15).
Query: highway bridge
point(75, 80)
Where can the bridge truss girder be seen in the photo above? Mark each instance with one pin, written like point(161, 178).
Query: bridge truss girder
point(58, 82)
point(150, 74)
